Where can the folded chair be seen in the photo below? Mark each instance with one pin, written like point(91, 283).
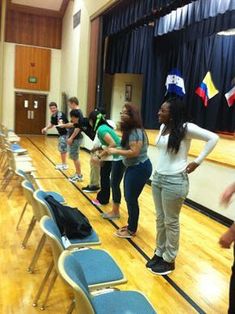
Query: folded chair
point(93, 239)
point(99, 267)
point(16, 163)
point(102, 302)
point(33, 186)
point(38, 212)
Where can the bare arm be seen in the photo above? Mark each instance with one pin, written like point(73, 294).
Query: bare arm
point(68, 125)
point(227, 194)
point(49, 126)
point(229, 236)
point(132, 152)
point(74, 134)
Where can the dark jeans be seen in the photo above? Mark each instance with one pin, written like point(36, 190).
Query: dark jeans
point(117, 172)
point(134, 181)
point(232, 288)
point(116, 169)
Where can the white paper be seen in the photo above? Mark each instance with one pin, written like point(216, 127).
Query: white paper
point(35, 104)
point(26, 103)
point(65, 242)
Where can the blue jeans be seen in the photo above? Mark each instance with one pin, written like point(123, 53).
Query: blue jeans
point(116, 169)
point(169, 193)
point(117, 172)
point(134, 182)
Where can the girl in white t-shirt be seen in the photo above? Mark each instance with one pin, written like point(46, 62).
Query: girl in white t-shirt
point(170, 180)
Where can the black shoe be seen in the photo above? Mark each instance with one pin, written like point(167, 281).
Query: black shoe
point(163, 268)
point(90, 188)
point(153, 261)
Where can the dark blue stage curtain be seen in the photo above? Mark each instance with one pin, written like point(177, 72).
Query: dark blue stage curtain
point(194, 51)
point(191, 13)
point(129, 12)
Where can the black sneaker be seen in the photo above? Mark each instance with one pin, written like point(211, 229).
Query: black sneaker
point(153, 261)
point(90, 188)
point(163, 268)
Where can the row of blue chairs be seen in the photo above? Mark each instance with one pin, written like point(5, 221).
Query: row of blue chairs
point(89, 272)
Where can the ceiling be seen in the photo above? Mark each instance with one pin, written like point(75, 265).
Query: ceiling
point(54, 5)
point(40, 7)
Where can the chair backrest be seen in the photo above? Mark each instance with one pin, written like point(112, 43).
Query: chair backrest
point(72, 273)
point(50, 228)
point(45, 209)
point(11, 160)
point(27, 176)
point(28, 192)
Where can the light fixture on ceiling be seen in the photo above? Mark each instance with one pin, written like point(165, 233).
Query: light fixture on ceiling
point(228, 32)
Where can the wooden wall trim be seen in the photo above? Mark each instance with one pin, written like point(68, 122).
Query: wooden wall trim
point(93, 64)
point(63, 7)
point(35, 30)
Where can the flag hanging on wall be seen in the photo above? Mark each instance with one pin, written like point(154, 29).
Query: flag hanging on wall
point(175, 83)
point(207, 89)
point(230, 96)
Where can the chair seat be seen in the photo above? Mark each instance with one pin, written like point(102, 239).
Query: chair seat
point(19, 151)
point(15, 146)
point(56, 196)
point(99, 268)
point(25, 166)
point(126, 302)
point(23, 158)
point(92, 239)
point(13, 139)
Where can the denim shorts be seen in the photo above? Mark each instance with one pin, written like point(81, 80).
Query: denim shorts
point(74, 149)
point(62, 144)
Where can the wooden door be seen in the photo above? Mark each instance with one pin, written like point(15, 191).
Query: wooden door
point(30, 113)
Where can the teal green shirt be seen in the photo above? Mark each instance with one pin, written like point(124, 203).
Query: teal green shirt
point(103, 130)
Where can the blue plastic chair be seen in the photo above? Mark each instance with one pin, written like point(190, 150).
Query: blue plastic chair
point(28, 189)
point(99, 267)
point(90, 240)
point(115, 302)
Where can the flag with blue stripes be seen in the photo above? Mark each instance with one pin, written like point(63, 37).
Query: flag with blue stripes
point(175, 83)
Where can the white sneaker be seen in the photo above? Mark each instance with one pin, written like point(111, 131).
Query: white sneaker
point(59, 167)
point(76, 178)
point(65, 167)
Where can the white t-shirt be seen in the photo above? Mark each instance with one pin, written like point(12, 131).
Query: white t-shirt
point(169, 163)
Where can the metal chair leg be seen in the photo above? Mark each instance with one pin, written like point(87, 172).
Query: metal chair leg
point(37, 253)
point(6, 179)
point(51, 285)
point(14, 187)
point(71, 307)
point(28, 232)
point(43, 283)
point(21, 215)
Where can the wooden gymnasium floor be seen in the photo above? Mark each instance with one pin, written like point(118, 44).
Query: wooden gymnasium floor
point(198, 285)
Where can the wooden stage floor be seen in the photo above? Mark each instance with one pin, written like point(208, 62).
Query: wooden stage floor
point(199, 283)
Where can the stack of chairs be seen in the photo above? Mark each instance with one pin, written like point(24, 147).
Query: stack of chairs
point(13, 158)
point(91, 274)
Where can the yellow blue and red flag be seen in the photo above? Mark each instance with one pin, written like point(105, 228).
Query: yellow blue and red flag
point(206, 90)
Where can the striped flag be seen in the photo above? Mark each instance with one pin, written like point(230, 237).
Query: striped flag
point(207, 89)
point(230, 96)
point(175, 83)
